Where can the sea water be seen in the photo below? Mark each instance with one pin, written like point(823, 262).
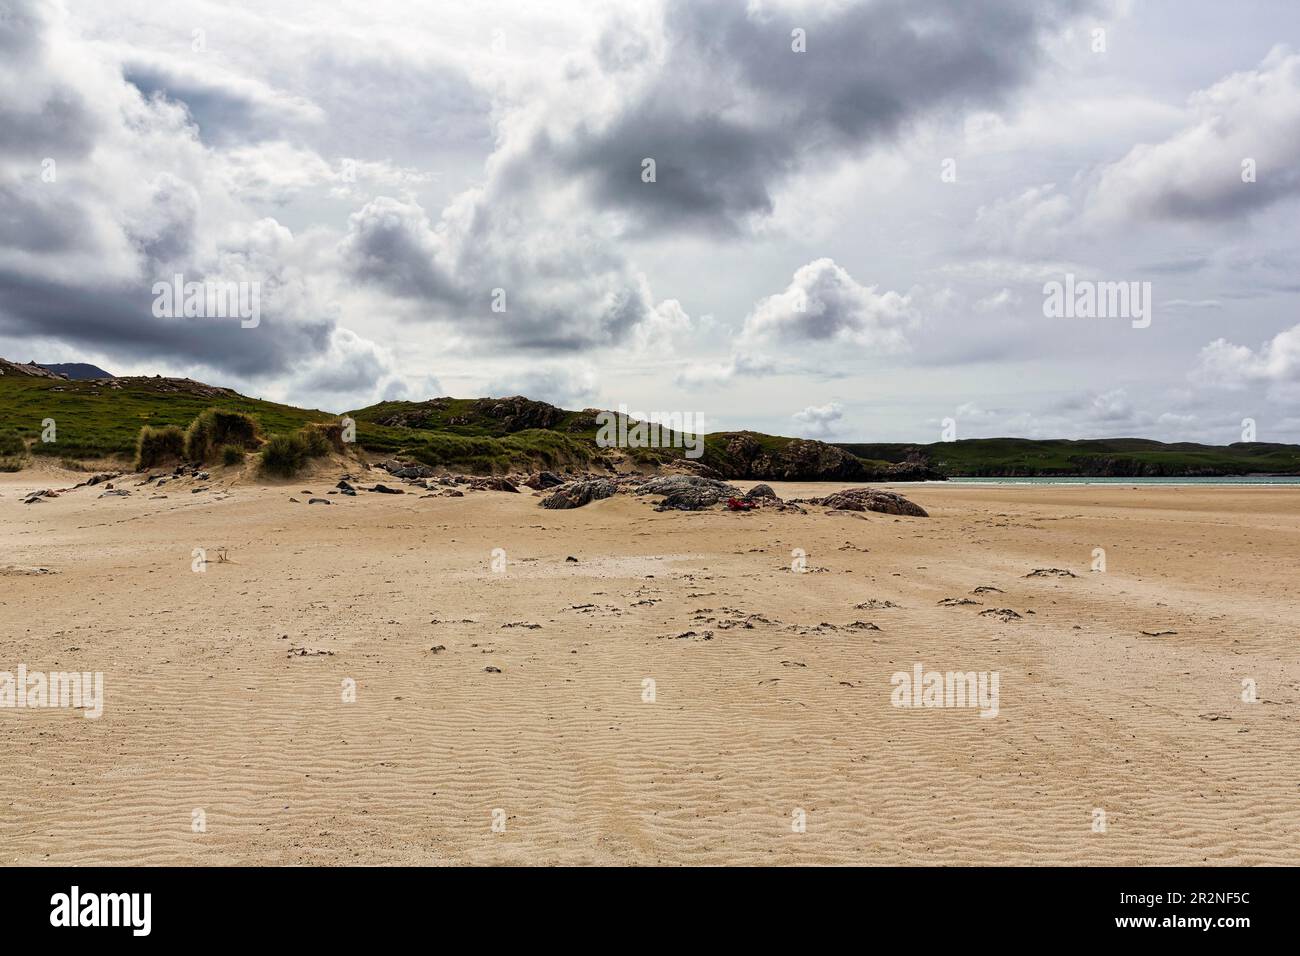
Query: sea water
point(1078, 480)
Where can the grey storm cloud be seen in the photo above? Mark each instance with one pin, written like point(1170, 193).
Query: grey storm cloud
point(119, 319)
point(41, 227)
point(223, 114)
point(392, 244)
point(733, 109)
point(561, 290)
point(133, 203)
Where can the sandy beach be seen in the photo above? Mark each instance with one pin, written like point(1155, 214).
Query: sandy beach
point(505, 716)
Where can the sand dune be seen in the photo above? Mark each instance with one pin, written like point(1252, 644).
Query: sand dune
point(224, 689)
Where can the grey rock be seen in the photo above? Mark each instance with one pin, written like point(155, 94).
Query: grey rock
point(870, 499)
point(575, 494)
point(543, 480)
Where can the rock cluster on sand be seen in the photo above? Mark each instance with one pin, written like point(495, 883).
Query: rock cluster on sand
point(687, 492)
point(575, 494)
point(869, 499)
point(678, 492)
point(494, 483)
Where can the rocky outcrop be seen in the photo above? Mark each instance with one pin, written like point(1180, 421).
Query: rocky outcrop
point(517, 413)
point(761, 458)
point(674, 484)
point(575, 494)
point(869, 499)
point(414, 414)
point(690, 466)
point(30, 370)
point(400, 469)
point(917, 466)
point(687, 492)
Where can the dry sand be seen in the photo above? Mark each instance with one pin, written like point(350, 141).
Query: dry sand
point(206, 709)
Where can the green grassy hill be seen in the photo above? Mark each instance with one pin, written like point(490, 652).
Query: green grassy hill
point(1120, 457)
point(101, 419)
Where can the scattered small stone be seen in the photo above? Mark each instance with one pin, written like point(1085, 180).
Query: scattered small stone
point(1002, 613)
point(688, 635)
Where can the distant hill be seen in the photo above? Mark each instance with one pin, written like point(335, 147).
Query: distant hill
point(101, 418)
point(30, 370)
point(1100, 457)
point(77, 371)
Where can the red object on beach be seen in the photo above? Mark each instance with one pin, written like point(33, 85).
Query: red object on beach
point(735, 504)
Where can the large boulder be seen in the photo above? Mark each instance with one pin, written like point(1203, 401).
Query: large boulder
point(676, 484)
point(870, 499)
point(543, 480)
point(575, 494)
point(687, 492)
point(691, 499)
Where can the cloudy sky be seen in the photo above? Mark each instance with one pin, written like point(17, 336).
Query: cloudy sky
point(854, 210)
